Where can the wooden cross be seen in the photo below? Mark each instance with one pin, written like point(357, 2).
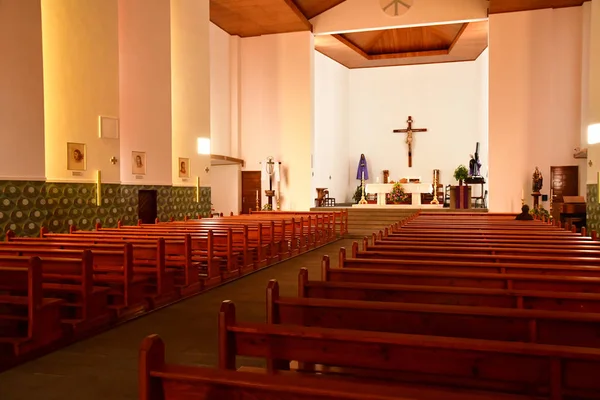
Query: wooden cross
point(409, 131)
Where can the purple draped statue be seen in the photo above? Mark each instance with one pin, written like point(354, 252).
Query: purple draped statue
point(362, 168)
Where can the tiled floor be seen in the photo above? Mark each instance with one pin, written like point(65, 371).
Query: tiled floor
point(105, 366)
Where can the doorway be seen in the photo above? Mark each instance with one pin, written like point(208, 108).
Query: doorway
point(564, 181)
point(147, 210)
point(250, 187)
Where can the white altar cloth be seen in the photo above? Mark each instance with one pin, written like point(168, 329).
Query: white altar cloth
point(415, 189)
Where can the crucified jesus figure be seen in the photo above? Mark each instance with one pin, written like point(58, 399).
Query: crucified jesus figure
point(409, 137)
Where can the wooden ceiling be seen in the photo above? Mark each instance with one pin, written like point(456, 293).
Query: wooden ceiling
point(502, 6)
point(418, 45)
point(406, 46)
point(247, 18)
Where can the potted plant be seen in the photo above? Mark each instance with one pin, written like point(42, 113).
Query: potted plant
point(397, 195)
point(540, 213)
point(460, 174)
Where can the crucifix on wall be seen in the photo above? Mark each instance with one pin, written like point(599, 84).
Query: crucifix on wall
point(409, 137)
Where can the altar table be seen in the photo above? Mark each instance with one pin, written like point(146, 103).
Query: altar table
point(415, 189)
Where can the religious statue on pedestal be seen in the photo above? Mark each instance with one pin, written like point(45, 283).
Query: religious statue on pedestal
point(474, 163)
point(362, 173)
point(537, 181)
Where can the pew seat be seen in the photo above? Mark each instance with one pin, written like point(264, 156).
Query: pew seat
point(161, 381)
point(29, 322)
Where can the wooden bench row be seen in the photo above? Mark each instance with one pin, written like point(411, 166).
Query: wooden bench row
point(426, 327)
point(104, 277)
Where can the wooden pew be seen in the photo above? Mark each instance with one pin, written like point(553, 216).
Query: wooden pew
point(244, 244)
point(476, 322)
point(200, 255)
point(449, 295)
point(29, 322)
point(340, 218)
point(161, 381)
point(501, 243)
point(579, 284)
point(203, 249)
point(148, 263)
point(455, 263)
point(510, 263)
point(70, 278)
point(560, 372)
point(146, 251)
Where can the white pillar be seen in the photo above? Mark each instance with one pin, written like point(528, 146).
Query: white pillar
point(145, 89)
point(190, 86)
point(21, 91)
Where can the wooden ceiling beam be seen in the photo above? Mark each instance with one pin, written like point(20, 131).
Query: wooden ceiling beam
point(351, 45)
point(457, 38)
point(299, 14)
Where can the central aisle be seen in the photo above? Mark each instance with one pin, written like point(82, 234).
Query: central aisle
point(105, 366)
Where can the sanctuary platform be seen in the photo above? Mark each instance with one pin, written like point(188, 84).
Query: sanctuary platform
point(365, 219)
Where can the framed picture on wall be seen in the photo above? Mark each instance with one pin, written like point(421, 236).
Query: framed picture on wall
point(138, 163)
point(76, 157)
point(184, 167)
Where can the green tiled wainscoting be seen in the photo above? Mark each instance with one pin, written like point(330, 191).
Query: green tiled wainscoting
point(27, 206)
point(592, 208)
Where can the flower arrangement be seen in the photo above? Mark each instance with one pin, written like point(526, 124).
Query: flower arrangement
point(397, 195)
point(540, 213)
point(267, 207)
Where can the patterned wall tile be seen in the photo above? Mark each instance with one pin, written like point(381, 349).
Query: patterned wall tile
point(27, 206)
point(592, 208)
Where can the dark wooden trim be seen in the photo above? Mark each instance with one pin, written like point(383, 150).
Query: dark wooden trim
point(299, 13)
point(426, 53)
point(233, 160)
point(458, 35)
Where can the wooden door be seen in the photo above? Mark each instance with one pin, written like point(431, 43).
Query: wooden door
point(564, 181)
point(250, 186)
point(147, 210)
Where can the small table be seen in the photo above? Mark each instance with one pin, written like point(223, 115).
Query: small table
point(381, 189)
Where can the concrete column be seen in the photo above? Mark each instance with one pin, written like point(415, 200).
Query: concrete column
point(21, 91)
point(81, 83)
point(190, 87)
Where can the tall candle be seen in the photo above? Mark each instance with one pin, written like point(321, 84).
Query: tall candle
point(377, 179)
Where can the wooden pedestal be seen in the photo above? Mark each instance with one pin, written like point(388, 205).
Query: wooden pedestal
point(460, 197)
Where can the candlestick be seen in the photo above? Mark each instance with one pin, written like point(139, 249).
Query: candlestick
point(522, 197)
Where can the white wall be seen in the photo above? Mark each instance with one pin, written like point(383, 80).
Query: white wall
point(220, 91)
point(21, 90)
point(445, 98)
point(331, 144)
point(535, 99)
point(226, 188)
point(81, 82)
point(276, 119)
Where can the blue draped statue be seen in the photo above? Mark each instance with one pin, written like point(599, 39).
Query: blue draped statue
point(362, 168)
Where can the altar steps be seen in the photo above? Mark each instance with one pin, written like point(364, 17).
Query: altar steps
point(364, 221)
